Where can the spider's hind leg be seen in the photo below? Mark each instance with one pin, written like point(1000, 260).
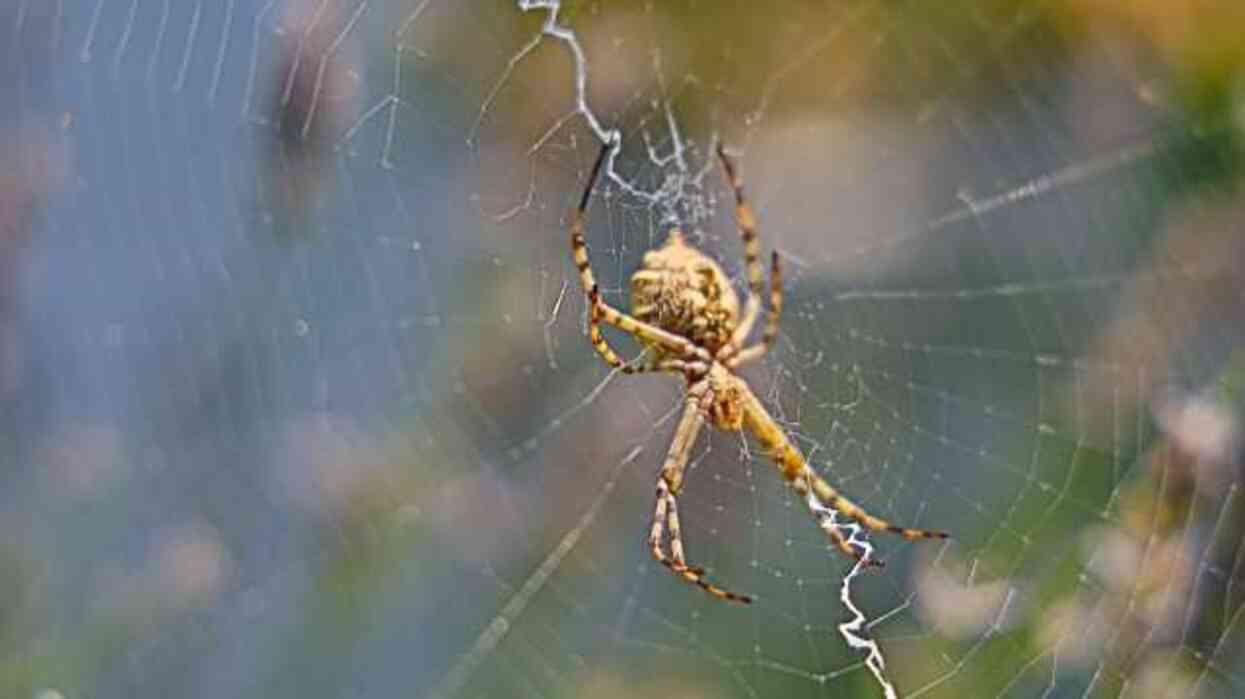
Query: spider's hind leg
point(747, 224)
point(772, 318)
point(746, 221)
point(601, 312)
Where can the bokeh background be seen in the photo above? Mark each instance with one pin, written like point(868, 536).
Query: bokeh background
point(296, 401)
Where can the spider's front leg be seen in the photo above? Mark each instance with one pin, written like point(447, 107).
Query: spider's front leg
point(666, 511)
point(822, 496)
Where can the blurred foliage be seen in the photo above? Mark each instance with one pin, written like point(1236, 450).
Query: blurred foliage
point(394, 522)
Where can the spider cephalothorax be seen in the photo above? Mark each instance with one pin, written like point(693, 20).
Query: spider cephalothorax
point(682, 290)
point(687, 316)
point(726, 399)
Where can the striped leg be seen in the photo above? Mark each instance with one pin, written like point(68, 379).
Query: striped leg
point(746, 221)
point(802, 478)
point(666, 512)
point(826, 520)
point(597, 338)
point(579, 253)
point(601, 311)
point(748, 354)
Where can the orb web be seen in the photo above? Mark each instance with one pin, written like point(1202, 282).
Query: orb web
point(320, 397)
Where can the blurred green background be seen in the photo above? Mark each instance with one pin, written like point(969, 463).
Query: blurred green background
point(297, 401)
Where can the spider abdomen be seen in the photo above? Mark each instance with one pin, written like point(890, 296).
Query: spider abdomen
point(683, 291)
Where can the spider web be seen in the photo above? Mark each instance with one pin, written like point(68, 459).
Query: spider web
point(299, 403)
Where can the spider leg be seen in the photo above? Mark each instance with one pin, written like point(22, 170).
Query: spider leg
point(579, 252)
point(753, 352)
point(803, 479)
point(651, 334)
point(601, 311)
point(747, 224)
point(597, 338)
point(666, 511)
point(825, 520)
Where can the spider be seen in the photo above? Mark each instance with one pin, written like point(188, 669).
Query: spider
point(686, 315)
